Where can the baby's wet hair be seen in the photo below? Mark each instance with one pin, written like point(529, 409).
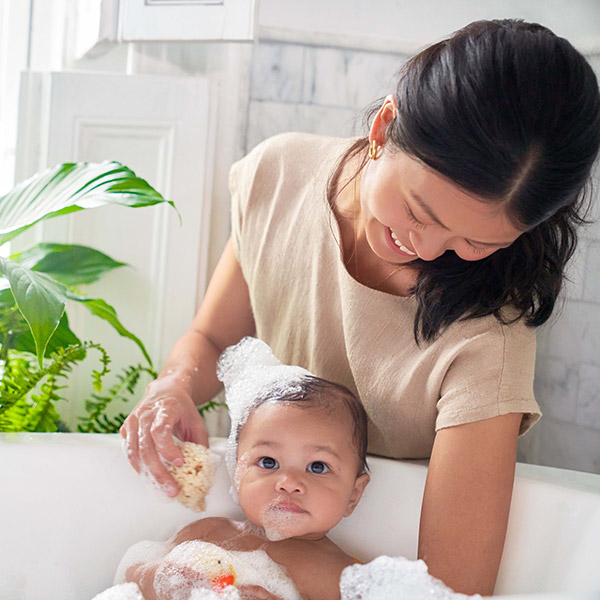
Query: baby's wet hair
point(314, 392)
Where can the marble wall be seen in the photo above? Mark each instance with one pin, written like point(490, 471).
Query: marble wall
point(316, 89)
point(305, 87)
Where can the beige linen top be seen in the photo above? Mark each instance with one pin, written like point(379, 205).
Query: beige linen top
point(313, 313)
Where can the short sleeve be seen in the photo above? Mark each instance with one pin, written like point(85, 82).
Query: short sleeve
point(239, 185)
point(491, 374)
point(252, 180)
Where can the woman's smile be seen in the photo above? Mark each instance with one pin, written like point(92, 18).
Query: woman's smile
point(406, 211)
point(397, 245)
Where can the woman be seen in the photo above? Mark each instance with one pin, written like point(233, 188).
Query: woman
point(412, 267)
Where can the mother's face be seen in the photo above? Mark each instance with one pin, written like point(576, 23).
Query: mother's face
point(410, 211)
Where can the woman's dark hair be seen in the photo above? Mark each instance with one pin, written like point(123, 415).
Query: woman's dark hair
point(315, 392)
point(510, 112)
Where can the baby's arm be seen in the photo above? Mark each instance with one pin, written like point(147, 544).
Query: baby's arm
point(143, 560)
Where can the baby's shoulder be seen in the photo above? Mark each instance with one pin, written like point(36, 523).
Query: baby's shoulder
point(316, 568)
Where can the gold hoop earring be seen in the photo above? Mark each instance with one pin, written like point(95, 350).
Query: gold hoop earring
point(373, 150)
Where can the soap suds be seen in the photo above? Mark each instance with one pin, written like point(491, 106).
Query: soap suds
point(214, 568)
point(250, 372)
point(398, 578)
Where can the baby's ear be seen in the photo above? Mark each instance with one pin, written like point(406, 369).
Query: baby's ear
point(359, 487)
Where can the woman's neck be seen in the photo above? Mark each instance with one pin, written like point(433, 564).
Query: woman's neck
point(360, 261)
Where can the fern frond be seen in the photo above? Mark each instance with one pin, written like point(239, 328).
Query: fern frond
point(212, 405)
point(95, 407)
point(20, 408)
point(42, 415)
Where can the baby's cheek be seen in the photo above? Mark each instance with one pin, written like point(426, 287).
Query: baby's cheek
point(241, 470)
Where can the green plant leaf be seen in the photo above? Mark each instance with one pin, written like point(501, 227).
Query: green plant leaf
point(70, 264)
point(40, 299)
point(6, 297)
point(20, 337)
point(105, 311)
point(71, 187)
point(61, 338)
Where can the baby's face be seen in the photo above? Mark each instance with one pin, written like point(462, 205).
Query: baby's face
point(296, 470)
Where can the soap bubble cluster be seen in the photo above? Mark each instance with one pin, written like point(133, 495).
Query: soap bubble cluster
point(123, 591)
point(196, 565)
point(229, 593)
point(398, 578)
point(144, 552)
point(250, 372)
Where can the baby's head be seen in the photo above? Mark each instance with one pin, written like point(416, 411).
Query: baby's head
point(299, 446)
point(301, 460)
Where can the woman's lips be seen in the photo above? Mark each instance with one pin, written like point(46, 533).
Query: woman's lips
point(396, 245)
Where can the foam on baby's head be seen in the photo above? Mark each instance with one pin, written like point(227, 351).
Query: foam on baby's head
point(250, 372)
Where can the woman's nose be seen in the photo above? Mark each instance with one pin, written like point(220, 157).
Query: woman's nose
point(290, 482)
point(428, 246)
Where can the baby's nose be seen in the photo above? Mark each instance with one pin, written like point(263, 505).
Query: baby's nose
point(290, 482)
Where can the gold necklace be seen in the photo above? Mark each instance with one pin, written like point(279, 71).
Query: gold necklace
point(355, 248)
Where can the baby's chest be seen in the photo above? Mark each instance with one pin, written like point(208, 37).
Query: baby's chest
point(316, 578)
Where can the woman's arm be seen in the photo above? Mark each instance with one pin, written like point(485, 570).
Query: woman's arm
point(188, 378)
point(466, 502)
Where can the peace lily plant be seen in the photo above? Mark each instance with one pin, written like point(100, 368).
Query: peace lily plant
point(37, 347)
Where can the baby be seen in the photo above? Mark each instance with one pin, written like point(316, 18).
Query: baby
point(297, 456)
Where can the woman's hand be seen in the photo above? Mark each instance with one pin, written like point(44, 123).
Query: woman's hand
point(166, 409)
point(189, 377)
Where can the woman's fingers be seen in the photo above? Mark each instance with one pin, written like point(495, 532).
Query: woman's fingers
point(161, 431)
point(129, 431)
point(149, 429)
point(191, 428)
point(150, 459)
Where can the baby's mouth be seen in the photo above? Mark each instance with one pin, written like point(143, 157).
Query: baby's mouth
point(289, 507)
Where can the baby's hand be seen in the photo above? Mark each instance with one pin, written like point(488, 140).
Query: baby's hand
point(174, 581)
point(255, 592)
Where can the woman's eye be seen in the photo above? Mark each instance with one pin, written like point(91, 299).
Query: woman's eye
point(317, 467)
point(477, 249)
point(414, 219)
point(266, 462)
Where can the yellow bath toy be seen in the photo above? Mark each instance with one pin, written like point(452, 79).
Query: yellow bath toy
point(215, 564)
point(222, 568)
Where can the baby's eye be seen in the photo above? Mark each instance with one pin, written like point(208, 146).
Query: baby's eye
point(266, 462)
point(317, 467)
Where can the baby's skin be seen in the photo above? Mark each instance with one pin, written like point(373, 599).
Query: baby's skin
point(315, 566)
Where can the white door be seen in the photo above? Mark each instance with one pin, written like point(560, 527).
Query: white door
point(163, 129)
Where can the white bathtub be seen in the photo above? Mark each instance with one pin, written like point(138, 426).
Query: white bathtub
point(70, 505)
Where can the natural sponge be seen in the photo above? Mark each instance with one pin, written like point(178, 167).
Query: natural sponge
point(195, 476)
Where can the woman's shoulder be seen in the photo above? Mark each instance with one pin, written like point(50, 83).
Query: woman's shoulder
point(503, 341)
point(293, 142)
point(293, 151)
point(285, 162)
